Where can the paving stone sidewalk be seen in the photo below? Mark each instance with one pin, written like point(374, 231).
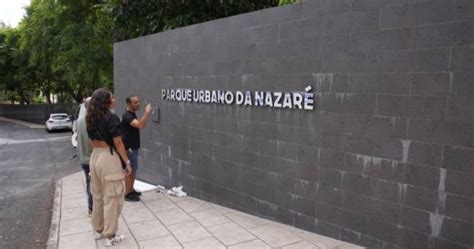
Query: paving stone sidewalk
point(161, 221)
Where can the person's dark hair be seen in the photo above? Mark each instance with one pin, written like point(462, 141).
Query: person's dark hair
point(128, 99)
point(98, 106)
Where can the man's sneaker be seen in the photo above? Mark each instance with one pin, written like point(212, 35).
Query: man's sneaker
point(131, 197)
point(89, 212)
point(115, 240)
point(134, 192)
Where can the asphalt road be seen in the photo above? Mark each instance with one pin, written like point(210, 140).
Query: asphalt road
point(30, 161)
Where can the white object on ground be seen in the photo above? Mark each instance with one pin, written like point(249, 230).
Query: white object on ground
point(161, 189)
point(178, 191)
point(174, 191)
point(143, 186)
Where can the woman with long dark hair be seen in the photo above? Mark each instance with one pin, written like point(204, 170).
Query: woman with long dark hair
point(107, 175)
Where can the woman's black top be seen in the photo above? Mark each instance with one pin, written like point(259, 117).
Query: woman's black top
point(107, 127)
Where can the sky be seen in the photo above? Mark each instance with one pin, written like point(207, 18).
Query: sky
point(11, 11)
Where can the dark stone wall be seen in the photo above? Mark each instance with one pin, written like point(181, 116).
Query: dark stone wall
point(35, 113)
point(386, 159)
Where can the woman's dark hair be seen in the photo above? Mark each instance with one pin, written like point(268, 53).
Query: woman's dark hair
point(98, 106)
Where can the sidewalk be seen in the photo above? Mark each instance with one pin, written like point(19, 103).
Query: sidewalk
point(161, 221)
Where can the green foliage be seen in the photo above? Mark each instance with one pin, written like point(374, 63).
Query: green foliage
point(38, 40)
point(285, 2)
point(37, 99)
point(15, 78)
point(134, 18)
point(64, 47)
point(72, 54)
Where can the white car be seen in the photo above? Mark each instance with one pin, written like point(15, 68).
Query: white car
point(58, 121)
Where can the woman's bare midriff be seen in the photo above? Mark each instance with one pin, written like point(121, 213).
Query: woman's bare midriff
point(99, 144)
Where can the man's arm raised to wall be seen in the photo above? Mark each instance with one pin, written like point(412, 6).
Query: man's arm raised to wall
point(140, 123)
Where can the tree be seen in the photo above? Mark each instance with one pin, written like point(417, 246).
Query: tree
point(64, 47)
point(39, 40)
point(16, 79)
point(64, 42)
point(135, 18)
point(84, 54)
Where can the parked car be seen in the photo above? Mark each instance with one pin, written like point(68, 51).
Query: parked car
point(58, 121)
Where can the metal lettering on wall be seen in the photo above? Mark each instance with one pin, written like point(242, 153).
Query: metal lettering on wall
point(292, 100)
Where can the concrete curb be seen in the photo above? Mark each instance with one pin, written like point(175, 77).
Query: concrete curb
point(53, 239)
point(24, 123)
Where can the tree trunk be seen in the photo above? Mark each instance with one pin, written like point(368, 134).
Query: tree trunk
point(48, 98)
point(23, 99)
point(61, 95)
point(77, 96)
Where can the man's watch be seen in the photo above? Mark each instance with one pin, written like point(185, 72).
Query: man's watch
point(128, 162)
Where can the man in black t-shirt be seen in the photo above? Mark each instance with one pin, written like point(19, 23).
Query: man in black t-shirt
point(131, 126)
